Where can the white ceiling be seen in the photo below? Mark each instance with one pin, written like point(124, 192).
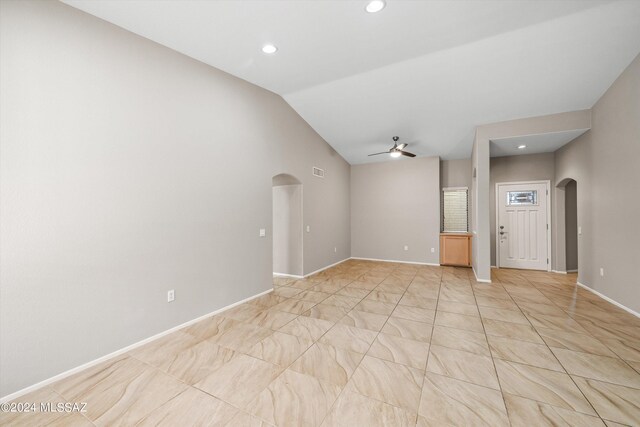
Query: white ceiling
point(428, 71)
point(541, 143)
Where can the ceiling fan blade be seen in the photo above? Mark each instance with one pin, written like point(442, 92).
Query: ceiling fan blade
point(375, 154)
point(408, 154)
point(401, 146)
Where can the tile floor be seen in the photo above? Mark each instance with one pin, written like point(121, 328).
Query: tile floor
point(372, 343)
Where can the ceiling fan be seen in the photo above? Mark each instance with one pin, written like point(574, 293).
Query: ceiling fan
point(396, 150)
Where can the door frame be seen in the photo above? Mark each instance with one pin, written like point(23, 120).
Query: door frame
point(548, 195)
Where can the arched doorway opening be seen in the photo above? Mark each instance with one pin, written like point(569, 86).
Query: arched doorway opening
point(287, 225)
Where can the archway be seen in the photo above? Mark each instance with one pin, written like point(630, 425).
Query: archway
point(568, 229)
point(287, 225)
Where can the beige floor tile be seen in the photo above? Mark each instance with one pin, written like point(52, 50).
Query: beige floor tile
point(240, 380)
point(286, 292)
point(280, 348)
point(447, 401)
point(462, 365)
point(576, 342)
point(349, 338)
point(326, 312)
point(613, 402)
point(348, 291)
point(268, 300)
point(191, 408)
point(282, 281)
point(458, 307)
point(460, 321)
point(389, 382)
point(342, 301)
point(626, 349)
point(272, 319)
point(527, 353)
point(243, 311)
point(198, 361)
point(511, 330)
point(364, 320)
point(460, 339)
point(328, 363)
point(294, 306)
point(327, 287)
point(210, 327)
point(38, 417)
point(400, 350)
point(376, 307)
point(241, 337)
point(353, 409)
point(598, 367)
point(507, 304)
point(165, 349)
point(123, 403)
point(410, 329)
point(525, 412)
point(312, 296)
point(376, 295)
point(560, 323)
point(414, 313)
point(357, 284)
point(294, 399)
point(542, 385)
point(448, 293)
point(534, 308)
point(418, 301)
point(307, 327)
point(512, 316)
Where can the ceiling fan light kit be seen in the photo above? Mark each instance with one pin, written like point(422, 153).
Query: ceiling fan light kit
point(397, 150)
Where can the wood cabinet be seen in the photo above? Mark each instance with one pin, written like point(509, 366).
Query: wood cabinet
point(455, 249)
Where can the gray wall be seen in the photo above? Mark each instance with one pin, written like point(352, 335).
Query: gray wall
point(532, 167)
point(287, 229)
point(455, 173)
point(571, 224)
point(604, 162)
point(394, 204)
point(127, 170)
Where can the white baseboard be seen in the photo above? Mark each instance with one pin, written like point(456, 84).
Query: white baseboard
point(324, 268)
point(479, 280)
point(126, 349)
point(572, 271)
point(287, 275)
point(393, 260)
point(559, 271)
point(606, 298)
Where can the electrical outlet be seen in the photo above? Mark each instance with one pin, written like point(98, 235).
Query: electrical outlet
point(171, 295)
point(263, 232)
point(433, 250)
point(406, 248)
point(308, 228)
point(601, 272)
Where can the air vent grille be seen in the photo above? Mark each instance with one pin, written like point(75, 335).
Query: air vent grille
point(318, 172)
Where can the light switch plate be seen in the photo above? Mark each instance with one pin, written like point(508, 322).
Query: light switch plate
point(263, 232)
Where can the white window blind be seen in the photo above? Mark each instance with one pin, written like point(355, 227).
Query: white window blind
point(455, 209)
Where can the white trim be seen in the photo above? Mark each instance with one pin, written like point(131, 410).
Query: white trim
point(606, 298)
point(558, 272)
point(393, 260)
point(548, 195)
point(324, 268)
point(572, 271)
point(479, 280)
point(287, 275)
point(128, 348)
point(494, 266)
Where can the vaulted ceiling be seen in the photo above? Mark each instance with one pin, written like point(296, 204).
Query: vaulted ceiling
point(428, 71)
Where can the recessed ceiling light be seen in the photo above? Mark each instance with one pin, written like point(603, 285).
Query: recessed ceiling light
point(269, 48)
point(375, 6)
point(522, 147)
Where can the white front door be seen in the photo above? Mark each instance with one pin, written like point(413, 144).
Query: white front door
point(522, 225)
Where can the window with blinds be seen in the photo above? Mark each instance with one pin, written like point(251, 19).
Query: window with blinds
point(455, 209)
